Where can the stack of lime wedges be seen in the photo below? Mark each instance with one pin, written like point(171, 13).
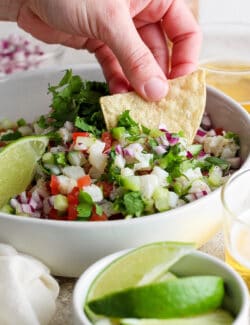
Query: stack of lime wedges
point(17, 165)
point(138, 289)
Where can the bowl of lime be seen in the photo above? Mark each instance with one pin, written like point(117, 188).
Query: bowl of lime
point(164, 283)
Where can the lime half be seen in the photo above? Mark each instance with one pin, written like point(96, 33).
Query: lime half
point(138, 267)
point(17, 165)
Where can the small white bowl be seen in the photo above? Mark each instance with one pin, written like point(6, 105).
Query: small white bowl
point(236, 297)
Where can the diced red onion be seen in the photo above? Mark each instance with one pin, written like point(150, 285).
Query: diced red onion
point(23, 197)
point(17, 54)
point(118, 150)
point(173, 141)
point(162, 140)
point(201, 133)
point(189, 155)
point(199, 195)
point(14, 203)
point(211, 133)
point(206, 122)
point(26, 208)
point(162, 127)
point(159, 150)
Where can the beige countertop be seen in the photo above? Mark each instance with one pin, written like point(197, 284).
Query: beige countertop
point(63, 313)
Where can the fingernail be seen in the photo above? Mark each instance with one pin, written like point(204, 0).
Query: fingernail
point(155, 89)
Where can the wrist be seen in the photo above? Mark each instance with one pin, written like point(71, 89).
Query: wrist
point(9, 9)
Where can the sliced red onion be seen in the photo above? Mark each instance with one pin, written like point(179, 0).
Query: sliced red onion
point(132, 149)
point(173, 141)
point(34, 205)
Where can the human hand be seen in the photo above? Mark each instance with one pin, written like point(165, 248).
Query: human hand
point(127, 37)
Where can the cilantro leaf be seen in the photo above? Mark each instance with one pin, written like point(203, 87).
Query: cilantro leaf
point(82, 125)
point(84, 210)
point(133, 203)
point(84, 197)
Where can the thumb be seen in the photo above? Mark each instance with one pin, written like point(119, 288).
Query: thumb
point(135, 58)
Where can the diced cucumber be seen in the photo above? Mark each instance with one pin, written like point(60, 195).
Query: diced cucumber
point(60, 202)
point(215, 176)
point(161, 198)
point(48, 158)
point(118, 132)
point(131, 183)
point(195, 149)
point(76, 158)
point(155, 133)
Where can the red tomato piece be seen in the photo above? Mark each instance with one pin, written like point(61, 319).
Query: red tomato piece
point(107, 138)
point(79, 134)
point(106, 188)
point(72, 212)
point(219, 131)
point(73, 196)
point(54, 185)
point(84, 181)
point(96, 217)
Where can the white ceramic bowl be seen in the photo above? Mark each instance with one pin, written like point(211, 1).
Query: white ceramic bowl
point(196, 263)
point(68, 248)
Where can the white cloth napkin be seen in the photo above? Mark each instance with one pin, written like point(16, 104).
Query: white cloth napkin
point(27, 290)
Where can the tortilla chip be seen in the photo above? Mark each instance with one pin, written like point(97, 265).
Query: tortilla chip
point(180, 110)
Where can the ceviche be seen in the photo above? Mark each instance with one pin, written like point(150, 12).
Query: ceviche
point(90, 174)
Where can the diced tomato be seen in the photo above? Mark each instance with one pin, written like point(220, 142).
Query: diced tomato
point(96, 217)
point(219, 131)
point(53, 214)
point(72, 212)
point(107, 138)
point(73, 196)
point(106, 188)
point(79, 134)
point(54, 185)
point(84, 181)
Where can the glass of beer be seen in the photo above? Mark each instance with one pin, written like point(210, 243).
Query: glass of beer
point(236, 203)
point(225, 56)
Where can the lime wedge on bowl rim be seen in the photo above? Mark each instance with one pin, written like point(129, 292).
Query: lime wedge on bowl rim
point(17, 165)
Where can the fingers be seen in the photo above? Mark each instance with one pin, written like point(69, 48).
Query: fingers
point(137, 62)
point(153, 36)
point(112, 70)
point(183, 30)
point(37, 28)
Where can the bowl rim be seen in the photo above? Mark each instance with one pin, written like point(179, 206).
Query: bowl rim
point(78, 299)
point(79, 68)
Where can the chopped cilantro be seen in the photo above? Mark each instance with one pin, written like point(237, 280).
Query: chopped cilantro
point(21, 122)
point(60, 158)
point(84, 210)
point(11, 136)
point(232, 135)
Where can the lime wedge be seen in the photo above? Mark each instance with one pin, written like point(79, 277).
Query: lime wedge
point(171, 299)
point(17, 165)
point(218, 317)
point(139, 266)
